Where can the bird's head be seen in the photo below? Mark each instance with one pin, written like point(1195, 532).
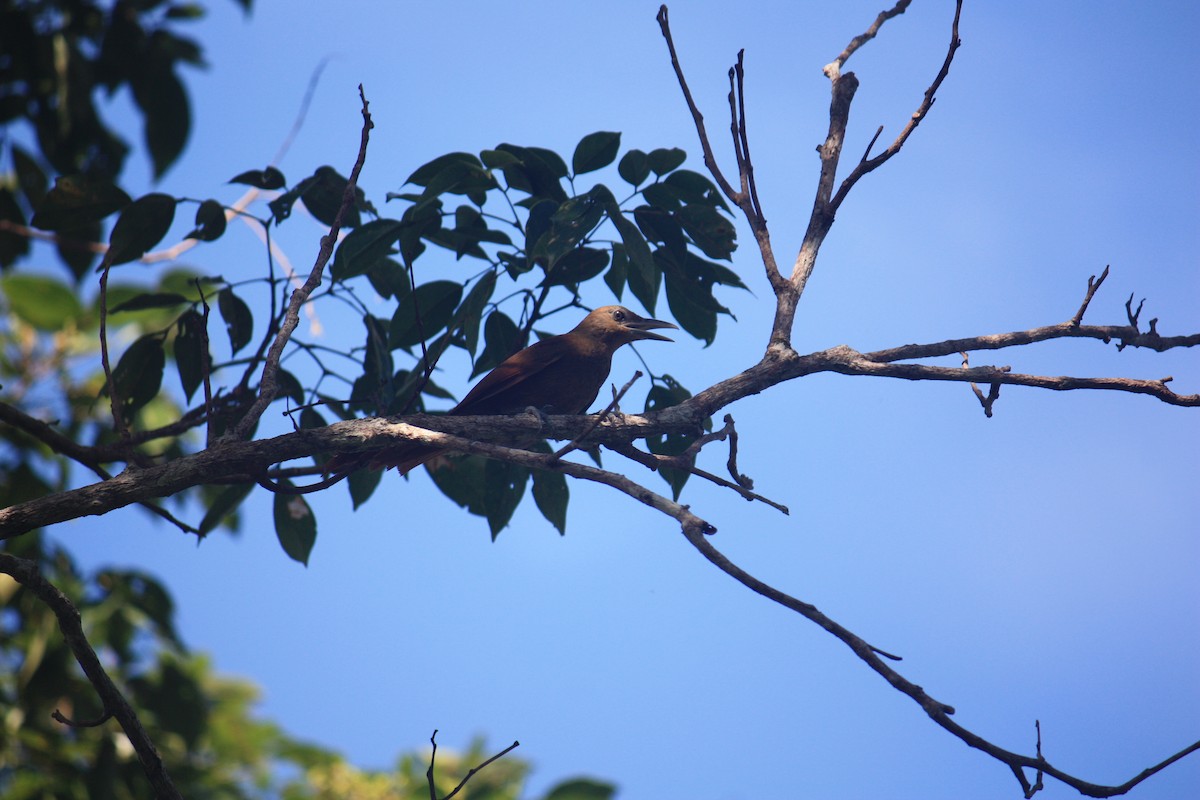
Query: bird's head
point(617, 325)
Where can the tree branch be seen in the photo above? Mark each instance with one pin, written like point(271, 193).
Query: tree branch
point(268, 387)
point(26, 573)
point(938, 711)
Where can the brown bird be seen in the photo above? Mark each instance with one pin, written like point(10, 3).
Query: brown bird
point(560, 375)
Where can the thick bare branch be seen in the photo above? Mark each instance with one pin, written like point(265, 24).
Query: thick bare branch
point(26, 573)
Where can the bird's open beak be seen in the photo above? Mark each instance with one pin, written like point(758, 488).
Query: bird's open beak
point(642, 328)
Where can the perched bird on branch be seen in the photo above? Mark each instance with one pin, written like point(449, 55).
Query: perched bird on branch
point(559, 375)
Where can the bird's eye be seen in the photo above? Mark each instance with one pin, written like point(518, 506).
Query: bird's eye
point(619, 315)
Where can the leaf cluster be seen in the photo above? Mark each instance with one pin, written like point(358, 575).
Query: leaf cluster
point(529, 237)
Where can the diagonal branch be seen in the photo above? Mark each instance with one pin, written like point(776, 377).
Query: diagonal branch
point(269, 385)
point(26, 573)
point(938, 711)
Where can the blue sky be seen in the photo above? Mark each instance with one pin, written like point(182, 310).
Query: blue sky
point(1037, 565)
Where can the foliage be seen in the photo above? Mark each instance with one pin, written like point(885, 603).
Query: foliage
point(204, 725)
point(535, 233)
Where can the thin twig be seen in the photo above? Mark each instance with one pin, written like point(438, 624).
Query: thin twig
point(268, 386)
point(574, 443)
point(471, 772)
point(1093, 287)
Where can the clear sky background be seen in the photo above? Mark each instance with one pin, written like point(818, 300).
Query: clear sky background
point(1038, 565)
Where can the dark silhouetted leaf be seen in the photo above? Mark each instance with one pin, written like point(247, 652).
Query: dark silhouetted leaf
point(713, 233)
point(364, 247)
point(269, 178)
point(500, 341)
point(210, 222)
point(138, 375)
point(582, 789)
point(362, 484)
point(550, 492)
point(295, 525)
point(224, 504)
point(435, 302)
point(76, 201)
point(289, 386)
point(141, 225)
point(617, 272)
point(692, 187)
point(425, 173)
point(239, 322)
point(190, 352)
point(470, 313)
point(30, 176)
point(75, 247)
point(634, 167)
point(323, 197)
point(664, 395)
point(43, 302)
point(503, 488)
point(594, 151)
point(577, 266)
point(388, 278)
point(146, 300)
point(168, 117)
point(664, 160)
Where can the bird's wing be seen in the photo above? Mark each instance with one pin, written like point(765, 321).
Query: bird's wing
point(517, 368)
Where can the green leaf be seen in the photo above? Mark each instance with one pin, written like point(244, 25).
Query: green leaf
point(138, 375)
point(664, 395)
point(500, 340)
point(146, 300)
point(295, 525)
point(595, 151)
point(30, 177)
point(660, 225)
point(210, 222)
point(73, 247)
point(269, 178)
point(644, 275)
point(168, 117)
point(712, 233)
point(435, 301)
point(43, 302)
point(425, 173)
point(470, 313)
point(577, 266)
point(461, 478)
point(503, 488)
point(190, 352)
point(550, 492)
point(364, 247)
point(582, 789)
point(224, 504)
point(76, 201)
point(141, 225)
point(634, 167)
point(615, 278)
point(239, 322)
point(537, 172)
point(362, 484)
point(494, 159)
point(692, 187)
point(322, 197)
point(664, 160)
point(388, 278)
point(289, 386)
